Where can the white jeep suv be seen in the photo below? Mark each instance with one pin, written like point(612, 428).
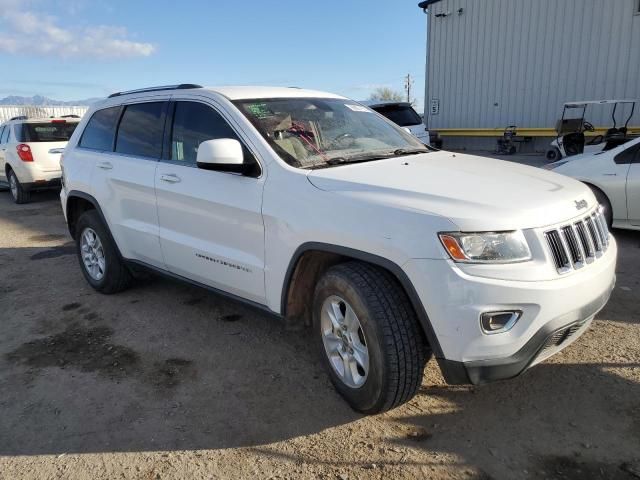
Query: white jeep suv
point(30, 152)
point(312, 207)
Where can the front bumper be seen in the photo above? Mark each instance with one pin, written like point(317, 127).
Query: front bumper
point(549, 340)
point(454, 301)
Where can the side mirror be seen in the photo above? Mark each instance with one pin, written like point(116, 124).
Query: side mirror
point(223, 155)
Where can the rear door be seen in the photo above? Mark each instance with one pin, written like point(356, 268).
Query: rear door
point(123, 178)
point(211, 228)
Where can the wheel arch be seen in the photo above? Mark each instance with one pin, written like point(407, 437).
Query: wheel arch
point(79, 202)
point(312, 259)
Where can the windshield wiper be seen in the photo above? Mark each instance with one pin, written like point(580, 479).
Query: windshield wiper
point(361, 158)
point(410, 151)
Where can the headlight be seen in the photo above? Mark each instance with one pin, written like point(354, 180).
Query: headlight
point(487, 247)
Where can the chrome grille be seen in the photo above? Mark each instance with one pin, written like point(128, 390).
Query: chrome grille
point(575, 245)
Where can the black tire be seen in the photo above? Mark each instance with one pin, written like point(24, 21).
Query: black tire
point(116, 276)
point(606, 204)
point(553, 155)
point(18, 193)
point(396, 346)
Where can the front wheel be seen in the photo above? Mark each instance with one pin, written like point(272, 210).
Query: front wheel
point(368, 336)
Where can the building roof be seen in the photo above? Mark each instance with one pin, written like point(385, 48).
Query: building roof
point(427, 3)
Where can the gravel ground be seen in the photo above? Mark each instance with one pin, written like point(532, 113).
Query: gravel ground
point(170, 381)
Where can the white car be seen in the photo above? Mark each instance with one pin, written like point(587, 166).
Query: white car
point(30, 152)
point(402, 114)
point(614, 177)
point(313, 208)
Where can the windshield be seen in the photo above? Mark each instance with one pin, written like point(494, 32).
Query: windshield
point(403, 115)
point(45, 132)
point(322, 132)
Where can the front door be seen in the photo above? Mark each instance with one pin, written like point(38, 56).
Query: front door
point(211, 227)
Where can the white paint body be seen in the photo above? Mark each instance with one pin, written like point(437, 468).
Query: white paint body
point(620, 182)
point(46, 164)
point(239, 234)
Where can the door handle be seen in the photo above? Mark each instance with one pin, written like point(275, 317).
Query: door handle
point(105, 165)
point(170, 178)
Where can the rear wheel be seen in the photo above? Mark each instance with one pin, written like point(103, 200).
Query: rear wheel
point(553, 155)
point(99, 259)
point(368, 336)
point(19, 194)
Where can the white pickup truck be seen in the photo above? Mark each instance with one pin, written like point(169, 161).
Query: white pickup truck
point(312, 207)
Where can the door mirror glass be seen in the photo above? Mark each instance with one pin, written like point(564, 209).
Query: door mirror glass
point(223, 154)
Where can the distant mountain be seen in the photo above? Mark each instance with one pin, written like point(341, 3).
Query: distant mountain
point(39, 100)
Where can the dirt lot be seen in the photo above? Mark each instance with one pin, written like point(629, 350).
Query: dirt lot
point(170, 381)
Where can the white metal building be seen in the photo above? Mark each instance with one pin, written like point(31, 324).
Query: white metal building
point(494, 63)
point(38, 111)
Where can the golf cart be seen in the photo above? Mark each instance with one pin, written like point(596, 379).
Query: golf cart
point(572, 126)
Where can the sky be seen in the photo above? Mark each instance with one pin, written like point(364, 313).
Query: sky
point(77, 49)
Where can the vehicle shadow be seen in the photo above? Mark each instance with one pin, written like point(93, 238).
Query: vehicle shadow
point(622, 306)
point(163, 366)
point(557, 421)
point(167, 366)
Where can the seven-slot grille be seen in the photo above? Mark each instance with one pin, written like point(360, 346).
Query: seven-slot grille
point(573, 246)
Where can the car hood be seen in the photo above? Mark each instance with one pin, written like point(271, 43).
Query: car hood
point(475, 193)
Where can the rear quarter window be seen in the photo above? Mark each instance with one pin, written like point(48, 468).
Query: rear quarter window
point(402, 115)
point(100, 130)
point(45, 131)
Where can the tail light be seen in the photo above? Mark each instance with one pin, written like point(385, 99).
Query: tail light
point(24, 152)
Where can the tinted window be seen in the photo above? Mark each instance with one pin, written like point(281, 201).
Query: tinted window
point(6, 133)
point(402, 115)
point(140, 130)
point(630, 155)
point(193, 124)
point(99, 132)
point(45, 132)
point(2, 130)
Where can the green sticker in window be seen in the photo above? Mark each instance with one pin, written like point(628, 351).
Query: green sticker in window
point(259, 110)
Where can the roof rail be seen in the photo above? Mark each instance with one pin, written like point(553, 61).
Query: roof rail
point(19, 117)
point(182, 86)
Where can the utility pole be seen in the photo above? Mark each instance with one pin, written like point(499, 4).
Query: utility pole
point(408, 83)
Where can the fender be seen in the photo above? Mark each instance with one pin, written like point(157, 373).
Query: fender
point(96, 205)
point(382, 262)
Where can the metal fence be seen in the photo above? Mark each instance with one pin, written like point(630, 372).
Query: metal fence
point(33, 111)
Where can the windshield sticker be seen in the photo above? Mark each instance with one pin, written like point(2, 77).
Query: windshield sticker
point(259, 110)
point(357, 108)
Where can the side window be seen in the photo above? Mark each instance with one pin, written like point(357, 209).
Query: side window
point(5, 134)
point(2, 135)
point(99, 132)
point(630, 155)
point(140, 130)
point(193, 123)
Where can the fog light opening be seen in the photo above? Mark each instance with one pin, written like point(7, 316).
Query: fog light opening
point(499, 322)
